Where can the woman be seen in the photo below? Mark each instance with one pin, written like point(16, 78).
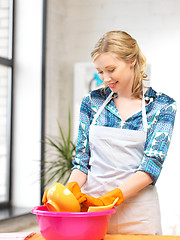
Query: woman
point(124, 135)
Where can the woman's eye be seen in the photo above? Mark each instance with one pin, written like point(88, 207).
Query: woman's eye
point(111, 70)
point(100, 72)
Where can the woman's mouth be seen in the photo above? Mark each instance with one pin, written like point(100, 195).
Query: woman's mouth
point(112, 85)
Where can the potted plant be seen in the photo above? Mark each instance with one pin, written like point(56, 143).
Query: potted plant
point(61, 151)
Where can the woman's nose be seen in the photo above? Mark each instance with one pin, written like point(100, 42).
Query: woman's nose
point(106, 78)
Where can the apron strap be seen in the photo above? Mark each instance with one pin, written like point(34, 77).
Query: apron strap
point(102, 107)
point(144, 118)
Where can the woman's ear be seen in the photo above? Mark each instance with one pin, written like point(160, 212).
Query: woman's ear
point(133, 62)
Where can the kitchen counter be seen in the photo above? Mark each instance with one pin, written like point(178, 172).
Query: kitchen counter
point(122, 237)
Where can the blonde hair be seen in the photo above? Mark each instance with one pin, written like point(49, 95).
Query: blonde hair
point(124, 47)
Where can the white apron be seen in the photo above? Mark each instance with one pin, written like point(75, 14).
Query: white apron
point(115, 155)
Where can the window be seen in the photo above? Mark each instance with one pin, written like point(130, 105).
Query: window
point(6, 83)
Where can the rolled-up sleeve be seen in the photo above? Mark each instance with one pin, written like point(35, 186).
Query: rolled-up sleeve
point(81, 160)
point(158, 141)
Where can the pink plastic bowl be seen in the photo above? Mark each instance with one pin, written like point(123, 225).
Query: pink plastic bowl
point(72, 225)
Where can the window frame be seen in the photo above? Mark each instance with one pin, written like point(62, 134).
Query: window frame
point(9, 62)
point(43, 97)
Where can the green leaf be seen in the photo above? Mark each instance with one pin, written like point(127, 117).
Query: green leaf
point(62, 135)
point(62, 152)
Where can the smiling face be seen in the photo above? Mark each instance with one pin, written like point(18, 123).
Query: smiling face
point(117, 74)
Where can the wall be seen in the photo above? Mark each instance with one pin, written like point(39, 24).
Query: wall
point(58, 82)
point(73, 29)
point(27, 103)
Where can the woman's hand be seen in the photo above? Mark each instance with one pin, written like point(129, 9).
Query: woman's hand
point(109, 197)
point(87, 201)
point(76, 191)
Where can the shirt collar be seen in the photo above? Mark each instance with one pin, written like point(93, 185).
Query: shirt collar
point(150, 94)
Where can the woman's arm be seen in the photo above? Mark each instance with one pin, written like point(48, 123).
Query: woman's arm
point(155, 152)
point(158, 139)
point(78, 176)
point(135, 183)
point(81, 160)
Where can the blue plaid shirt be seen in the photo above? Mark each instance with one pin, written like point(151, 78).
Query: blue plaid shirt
point(160, 112)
